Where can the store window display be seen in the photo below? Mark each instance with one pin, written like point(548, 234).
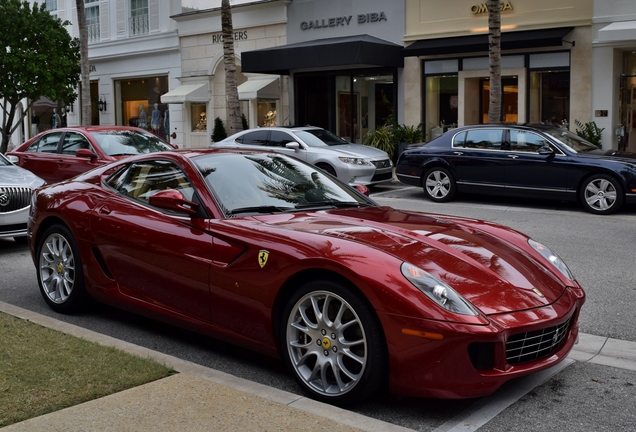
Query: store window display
point(199, 118)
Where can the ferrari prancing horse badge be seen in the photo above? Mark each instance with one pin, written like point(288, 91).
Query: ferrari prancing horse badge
point(262, 258)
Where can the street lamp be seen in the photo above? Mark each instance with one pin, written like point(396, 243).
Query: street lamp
point(102, 103)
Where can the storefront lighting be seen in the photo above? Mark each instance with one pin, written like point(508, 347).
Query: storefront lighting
point(102, 103)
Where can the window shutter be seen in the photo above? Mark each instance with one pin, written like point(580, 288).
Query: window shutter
point(121, 19)
point(153, 15)
point(104, 21)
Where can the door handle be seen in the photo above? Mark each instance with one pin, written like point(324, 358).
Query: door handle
point(458, 153)
point(104, 210)
point(513, 156)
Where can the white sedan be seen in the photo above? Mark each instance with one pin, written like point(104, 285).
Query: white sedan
point(354, 164)
point(16, 188)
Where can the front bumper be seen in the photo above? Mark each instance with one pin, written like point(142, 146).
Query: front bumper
point(14, 224)
point(473, 360)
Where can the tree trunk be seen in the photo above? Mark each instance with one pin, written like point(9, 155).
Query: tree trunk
point(231, 92)
point(85, 81)
point(494, 47)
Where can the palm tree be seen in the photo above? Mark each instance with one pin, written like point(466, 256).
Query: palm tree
point(85, 80)
point(234, 123)
point(494, 48)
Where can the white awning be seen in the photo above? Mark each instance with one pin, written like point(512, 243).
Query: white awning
point(187, 93)
point(618, 31)
point(265, 87)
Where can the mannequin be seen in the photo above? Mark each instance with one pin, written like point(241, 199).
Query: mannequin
point(166, 124)
point(56, 121)
point(155, 119)
point(143, 119)
point(64, 114)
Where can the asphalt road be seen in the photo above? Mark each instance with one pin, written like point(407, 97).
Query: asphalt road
point(578, 397)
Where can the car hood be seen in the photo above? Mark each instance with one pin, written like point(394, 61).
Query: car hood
point(493, 274)
point(611, 155)
point(357, 150)
point(16, 176)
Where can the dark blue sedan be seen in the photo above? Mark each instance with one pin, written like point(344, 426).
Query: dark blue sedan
point(535, 161)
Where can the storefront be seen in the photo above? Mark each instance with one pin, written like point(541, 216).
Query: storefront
point(543, 67)
point(614, 56)
point(344, 62)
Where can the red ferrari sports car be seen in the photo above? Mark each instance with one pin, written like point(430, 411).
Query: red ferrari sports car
point(268, 252)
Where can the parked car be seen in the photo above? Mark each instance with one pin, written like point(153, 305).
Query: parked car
point(536, 161)
point(16, 187)
point(59, 154)
point(352, 163)
point(265, 251)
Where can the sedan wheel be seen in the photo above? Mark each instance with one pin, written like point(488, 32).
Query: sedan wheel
point(439, 185)
point(333, 343)
point(60, 274)
point(601, 194)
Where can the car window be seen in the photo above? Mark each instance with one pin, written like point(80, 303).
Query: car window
point(326, 136)
point(46, 144)
point(142, 180)
point(488, 139)
point(128, 142)
point(255, 138)
point(74, 141)
point(279, 139)
point(526, 141)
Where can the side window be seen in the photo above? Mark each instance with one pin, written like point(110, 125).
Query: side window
point(459, 140)
point(279, 139)
point(256, 138)
point(47, 144)
point(73, 142)
point(525, 141)
point(488, 139)
point(142, 180)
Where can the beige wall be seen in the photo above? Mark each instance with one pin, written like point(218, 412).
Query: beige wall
point(443, 18)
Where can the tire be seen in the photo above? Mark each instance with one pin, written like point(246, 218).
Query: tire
point(439, 185)
point(328, 169)
point(59, 271)
point(601, 194)
point(337, 360)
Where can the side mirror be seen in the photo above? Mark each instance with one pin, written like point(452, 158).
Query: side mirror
point(13, 159)
point(292, 145)
point(173, 200)
point(545, 151)
point(85, 153)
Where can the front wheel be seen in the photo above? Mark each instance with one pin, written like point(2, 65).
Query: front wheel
point(439, 185)
point(601, 194)
point(333, 343)
point(59, 270)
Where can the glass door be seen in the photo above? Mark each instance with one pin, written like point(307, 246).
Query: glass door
point(509, 103)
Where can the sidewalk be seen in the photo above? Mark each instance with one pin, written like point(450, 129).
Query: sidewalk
point(203, 399)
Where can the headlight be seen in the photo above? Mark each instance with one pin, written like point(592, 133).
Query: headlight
point(552, 258)
point(354, 161)
point(438, 291)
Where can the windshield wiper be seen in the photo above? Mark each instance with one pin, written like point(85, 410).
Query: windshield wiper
point(259, 209)
point(331, 203)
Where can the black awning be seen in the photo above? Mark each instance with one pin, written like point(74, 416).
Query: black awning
point(479, 43)
point(361, 50)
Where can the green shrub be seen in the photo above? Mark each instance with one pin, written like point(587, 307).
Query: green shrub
point(382, 138)
point(408, 134)
point(589, 131)
point(218, 133)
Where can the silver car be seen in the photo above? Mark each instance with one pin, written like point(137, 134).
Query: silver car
point(354, 164)
point(16, 186)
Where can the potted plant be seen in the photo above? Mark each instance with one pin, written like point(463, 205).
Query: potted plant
point(589, 131)
point(382, 138)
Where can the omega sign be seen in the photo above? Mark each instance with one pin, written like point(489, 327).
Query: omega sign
point(483, 8)
point(373, 17)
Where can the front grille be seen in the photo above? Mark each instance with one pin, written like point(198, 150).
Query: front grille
point(14, 198)
point(382, 176)
point(13, 229)
point(386, 163)
point(524, 347)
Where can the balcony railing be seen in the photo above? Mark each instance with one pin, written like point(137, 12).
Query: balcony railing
point(139, 24)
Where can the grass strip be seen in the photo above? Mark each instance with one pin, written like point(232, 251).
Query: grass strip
point(43, 370)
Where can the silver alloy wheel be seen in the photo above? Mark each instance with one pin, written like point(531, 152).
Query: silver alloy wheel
point(57, 268)
point(438, 184)
point(600, 194)
point(327, 343)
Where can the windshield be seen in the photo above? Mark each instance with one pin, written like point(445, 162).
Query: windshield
point(268, 183)
point(128, 142)
point(570, 140)
point(323, 136)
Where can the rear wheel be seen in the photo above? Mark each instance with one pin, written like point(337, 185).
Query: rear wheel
point(59, 270)
point(333, 343)
point(601, 194)
point(439, 185)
